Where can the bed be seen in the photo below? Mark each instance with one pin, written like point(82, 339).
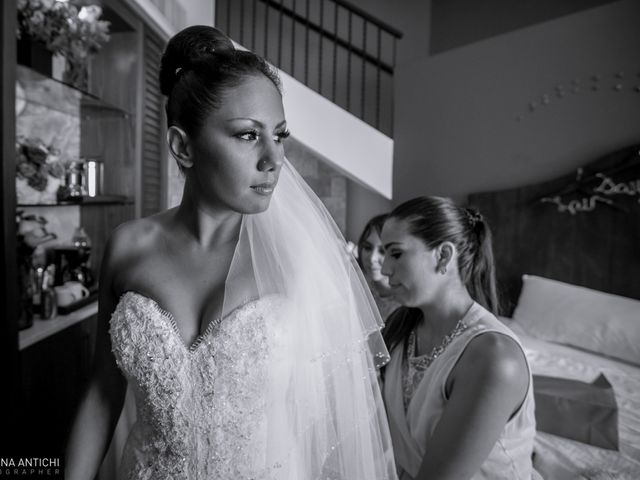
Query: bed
point(561, 353)
point(560, 458)
point(568, 264)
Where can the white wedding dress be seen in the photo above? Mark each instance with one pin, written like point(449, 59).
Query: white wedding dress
point(200, 408)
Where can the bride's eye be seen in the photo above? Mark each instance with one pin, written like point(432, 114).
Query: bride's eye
point(249, 135)
point(280, 136)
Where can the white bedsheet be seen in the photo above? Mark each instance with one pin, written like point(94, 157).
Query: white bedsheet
point(559, 458)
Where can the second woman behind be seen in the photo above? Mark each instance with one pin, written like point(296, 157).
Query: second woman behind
point(370, 258)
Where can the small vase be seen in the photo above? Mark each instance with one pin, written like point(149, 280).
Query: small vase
point(58, 66)
point(76, 74)
point(34, 54)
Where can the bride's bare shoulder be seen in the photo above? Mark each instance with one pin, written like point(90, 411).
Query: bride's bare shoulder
point(136, 238)
point(140, 232)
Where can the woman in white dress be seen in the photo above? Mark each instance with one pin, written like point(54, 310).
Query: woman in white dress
point(236, 318)
point(458, 388)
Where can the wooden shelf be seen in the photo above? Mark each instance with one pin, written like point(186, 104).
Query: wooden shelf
point(99, 200)
point(57, 95)
point(42, 329)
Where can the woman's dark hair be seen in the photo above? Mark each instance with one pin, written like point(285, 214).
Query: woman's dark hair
point(198, 66)
point(373, 225)
point(435, 220)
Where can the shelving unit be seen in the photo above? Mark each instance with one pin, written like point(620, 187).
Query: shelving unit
point(47, 91)
point(97, 200)
point(45, 366)
point(50, 107)
point(43, 329)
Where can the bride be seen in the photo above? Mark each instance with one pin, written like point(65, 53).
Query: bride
point(243, 328)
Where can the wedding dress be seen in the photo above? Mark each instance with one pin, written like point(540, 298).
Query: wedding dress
point(284, 385)
point(201, 408)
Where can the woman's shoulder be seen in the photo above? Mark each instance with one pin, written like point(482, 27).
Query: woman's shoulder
point(138, 234)
point(131, 242)
point(493, 355)
point(492, 364)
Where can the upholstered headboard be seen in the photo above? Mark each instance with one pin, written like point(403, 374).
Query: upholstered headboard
point(582, 228)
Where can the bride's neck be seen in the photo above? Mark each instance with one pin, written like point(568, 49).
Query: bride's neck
point(207, 225)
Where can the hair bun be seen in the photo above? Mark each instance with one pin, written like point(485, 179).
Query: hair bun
point(189, 47)
point(474, 217)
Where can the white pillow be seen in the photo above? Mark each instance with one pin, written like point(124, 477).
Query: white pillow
point(580, 317)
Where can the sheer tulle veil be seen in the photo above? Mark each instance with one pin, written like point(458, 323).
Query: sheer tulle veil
point(324, 416)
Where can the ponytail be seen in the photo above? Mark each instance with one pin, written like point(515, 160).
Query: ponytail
point(481, 282)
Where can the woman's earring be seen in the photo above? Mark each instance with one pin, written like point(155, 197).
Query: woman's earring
point(442, 270)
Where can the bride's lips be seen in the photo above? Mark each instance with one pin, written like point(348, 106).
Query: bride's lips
point(264, 188)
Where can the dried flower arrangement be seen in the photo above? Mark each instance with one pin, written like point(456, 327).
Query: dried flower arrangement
point(73, 33)
point(38, 168)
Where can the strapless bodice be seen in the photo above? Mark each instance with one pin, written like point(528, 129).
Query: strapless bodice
point(200, 408)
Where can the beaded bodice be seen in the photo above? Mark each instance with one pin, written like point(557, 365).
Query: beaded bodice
point(200, 408)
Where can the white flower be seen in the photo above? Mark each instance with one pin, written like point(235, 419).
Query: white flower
point(90, 13)
point(37, 18)
point(352, 248)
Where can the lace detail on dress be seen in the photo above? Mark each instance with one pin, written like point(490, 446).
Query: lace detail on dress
point(201, 409)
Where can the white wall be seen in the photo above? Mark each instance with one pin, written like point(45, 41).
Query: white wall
point(169, 16)
point(357, 149)
point(199, 12)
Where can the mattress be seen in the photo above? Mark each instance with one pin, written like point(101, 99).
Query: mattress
point(558, 458)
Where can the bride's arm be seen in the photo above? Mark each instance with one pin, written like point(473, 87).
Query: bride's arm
point(489, 384)
point(103, 398)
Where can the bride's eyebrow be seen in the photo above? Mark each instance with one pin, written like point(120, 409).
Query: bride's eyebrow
point(257, 122)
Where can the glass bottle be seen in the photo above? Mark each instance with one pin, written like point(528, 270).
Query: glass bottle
point(74, 180)
point(82, 243)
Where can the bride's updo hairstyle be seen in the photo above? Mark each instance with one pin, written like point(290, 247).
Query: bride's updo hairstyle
point(199, 64)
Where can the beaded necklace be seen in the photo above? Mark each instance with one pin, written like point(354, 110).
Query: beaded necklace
point(416, 366)
point(423, 361)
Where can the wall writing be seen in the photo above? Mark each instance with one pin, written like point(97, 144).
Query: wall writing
point(606, 192)
point(609, 187)
point(584, 204)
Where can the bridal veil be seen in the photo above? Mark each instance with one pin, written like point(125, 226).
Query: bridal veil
point(325, 418)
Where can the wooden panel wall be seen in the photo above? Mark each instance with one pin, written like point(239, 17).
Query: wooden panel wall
point(597, 248)
point(153, 197)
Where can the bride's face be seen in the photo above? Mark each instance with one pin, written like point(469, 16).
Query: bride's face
point(238, 153)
